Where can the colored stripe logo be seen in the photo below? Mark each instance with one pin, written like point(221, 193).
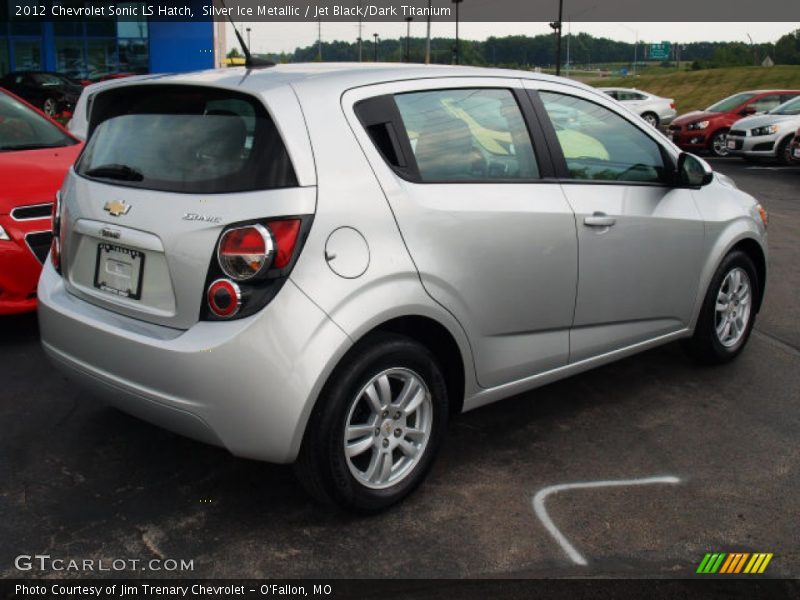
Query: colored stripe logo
point(734, 563)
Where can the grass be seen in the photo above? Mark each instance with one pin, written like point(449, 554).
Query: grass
point(696, 90)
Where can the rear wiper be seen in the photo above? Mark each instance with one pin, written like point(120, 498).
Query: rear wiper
point(115, 171)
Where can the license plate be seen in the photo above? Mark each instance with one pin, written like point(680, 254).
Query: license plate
point(119, 271)
point(732, 144)
point(796, 152)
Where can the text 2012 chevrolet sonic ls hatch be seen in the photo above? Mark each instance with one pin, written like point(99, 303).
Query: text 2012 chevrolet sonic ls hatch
point(322, 263)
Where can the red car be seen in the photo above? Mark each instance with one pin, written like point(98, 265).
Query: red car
point(705, 130)
point(35, 154)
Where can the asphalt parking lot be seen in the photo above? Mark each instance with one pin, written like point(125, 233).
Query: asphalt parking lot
point(80, 480)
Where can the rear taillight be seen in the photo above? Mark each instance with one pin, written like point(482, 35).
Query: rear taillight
point(55, 225)
point(251, 263)
point(672, 105)
point(245, 252)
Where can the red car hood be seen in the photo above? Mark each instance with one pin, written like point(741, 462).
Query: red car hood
point(697, 115)
point(33, 176)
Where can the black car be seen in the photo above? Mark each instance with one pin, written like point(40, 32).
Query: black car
point(52, 92)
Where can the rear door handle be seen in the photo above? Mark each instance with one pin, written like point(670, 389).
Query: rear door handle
point(599, 219)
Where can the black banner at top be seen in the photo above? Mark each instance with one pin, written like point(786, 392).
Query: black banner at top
point(400, 10)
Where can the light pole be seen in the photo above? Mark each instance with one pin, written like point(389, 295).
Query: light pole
point(408, 38)
point(635, 46)
point(458, 49)
point(428, 38)
point(248, 38)
point(556, 27)
point(375, 47)
point(360, 26)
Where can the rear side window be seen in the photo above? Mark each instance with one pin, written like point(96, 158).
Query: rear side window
point(467, 135)
point(185, 139)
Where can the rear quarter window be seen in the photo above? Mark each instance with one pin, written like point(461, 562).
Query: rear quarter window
point(184, 139)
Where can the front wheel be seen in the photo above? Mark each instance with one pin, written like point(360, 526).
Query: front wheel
point(376, 427)
point(728, 313)
point(719, 144)
point(784, 152)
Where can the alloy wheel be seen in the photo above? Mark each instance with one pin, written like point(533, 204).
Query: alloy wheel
point(732, 309)
point(388, 427)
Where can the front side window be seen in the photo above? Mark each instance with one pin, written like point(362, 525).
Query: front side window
point(185, 139)
point(766, 103)
point(598, 144)
point(467, 135)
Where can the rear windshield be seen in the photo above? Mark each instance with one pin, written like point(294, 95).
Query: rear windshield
point(184, 139)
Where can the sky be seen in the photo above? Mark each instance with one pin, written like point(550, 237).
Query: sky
point(278, 37)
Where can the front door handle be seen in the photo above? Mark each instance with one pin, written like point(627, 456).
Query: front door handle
point(599, 219)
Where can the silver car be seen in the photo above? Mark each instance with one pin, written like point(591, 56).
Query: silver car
point(768, 135)
point(323, 263)
point(653, 109)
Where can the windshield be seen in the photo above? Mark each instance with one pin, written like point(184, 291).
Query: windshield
point(792, 107)
point(190, 140)
point(47, 79)
point(23, 129)
point(730, 103)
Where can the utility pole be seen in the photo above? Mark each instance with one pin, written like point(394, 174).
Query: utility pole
point(428, 38)
point(556, 27)
point(458, 49)
point(248, 39)
point(375, 46)
point(360, 26)
point(319, 39)
point(408, 38)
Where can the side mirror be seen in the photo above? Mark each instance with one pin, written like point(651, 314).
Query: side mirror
point(693, 171)
point(748, 110)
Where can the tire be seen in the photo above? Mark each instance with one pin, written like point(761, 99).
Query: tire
point(716, 145)
point(784, 153)
point(708, 344)
point(651, 118)
point(359, 483)
point(50, 107)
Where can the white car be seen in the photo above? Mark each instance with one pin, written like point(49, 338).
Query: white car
point(653, 109)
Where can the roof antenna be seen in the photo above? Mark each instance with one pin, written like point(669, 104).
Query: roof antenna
point(249, 61)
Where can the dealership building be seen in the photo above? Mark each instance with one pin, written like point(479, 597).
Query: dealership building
point(106, 44)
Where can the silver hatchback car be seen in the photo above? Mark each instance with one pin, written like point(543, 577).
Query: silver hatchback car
point(320, 264)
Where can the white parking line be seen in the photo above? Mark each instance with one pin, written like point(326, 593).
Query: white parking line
point(541, 512)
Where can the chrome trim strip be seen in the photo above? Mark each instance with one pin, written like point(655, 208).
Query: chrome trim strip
point(31, 206)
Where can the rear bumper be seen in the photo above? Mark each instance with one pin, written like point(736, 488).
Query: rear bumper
point(247, 385)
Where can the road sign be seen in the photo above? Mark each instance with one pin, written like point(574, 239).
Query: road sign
point(660, 51)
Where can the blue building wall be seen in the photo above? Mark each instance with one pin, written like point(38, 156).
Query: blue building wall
point(181, 46)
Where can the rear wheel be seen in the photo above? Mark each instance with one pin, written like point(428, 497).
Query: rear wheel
point(728, 313)
point(376, 427)
point(49, 107)
point(651, 118)
point(718, 144)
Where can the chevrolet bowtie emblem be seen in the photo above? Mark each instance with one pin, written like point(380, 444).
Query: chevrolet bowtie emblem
point(117, 208)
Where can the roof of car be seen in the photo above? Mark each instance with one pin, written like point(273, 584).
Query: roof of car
point(343, 75)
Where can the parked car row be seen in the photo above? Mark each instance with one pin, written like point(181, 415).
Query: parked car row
point(753, 124)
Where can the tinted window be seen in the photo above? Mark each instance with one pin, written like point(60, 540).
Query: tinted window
point(21, 128)
point(730, 103)
point(792, 107)
point(185, 139)
point(598, 144)
point(467, 134)
point(766, 103)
